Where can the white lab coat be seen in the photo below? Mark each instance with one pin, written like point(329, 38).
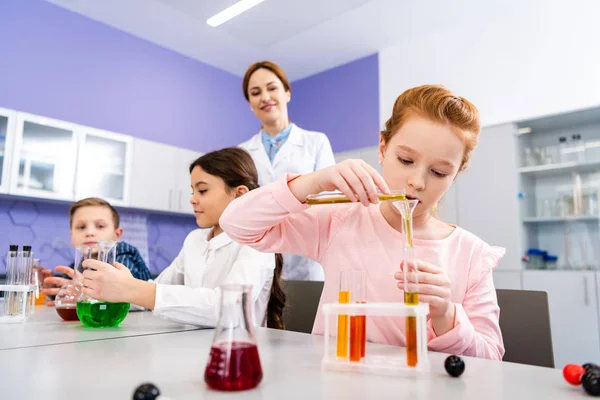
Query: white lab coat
point(302, 153)
point(187, 291)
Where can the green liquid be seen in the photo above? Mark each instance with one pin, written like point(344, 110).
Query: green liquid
point(101, 314)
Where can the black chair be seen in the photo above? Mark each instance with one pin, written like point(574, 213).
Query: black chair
point(302, 302)
point(525, 325)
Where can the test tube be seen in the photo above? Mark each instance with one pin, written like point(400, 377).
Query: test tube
point(82, 253)
point(107, 251)
point(338, 197)
point(11, 271)
point(358, 323)
point(27, 262)
point(343, 298)
point(411, 285)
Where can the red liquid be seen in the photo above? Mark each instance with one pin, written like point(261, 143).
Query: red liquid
point(357, 337)
point(68, 313)
point(233, 366)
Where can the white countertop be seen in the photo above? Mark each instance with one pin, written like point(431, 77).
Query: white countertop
point(175, 362)
point(45, 327)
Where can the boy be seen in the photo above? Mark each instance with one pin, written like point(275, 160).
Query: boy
point(92, 220)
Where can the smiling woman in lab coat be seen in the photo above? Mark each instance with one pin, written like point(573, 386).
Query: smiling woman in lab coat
point(281, 146)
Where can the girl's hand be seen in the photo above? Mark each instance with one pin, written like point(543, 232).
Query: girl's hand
point(105, 282)
point(434, 289)
point(354, 178)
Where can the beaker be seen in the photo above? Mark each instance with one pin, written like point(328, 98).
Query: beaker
point(233, 362)
point(410, 271)
point(94, 313)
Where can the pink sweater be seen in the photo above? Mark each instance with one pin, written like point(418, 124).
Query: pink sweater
point(271, 219)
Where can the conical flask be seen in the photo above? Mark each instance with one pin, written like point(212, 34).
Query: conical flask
point(233, 362)
point(94, 313)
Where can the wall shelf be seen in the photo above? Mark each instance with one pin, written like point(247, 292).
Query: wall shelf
point(536, 220)
point(540, 171)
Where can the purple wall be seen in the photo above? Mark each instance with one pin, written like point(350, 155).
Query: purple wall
point(59, 64)
point(342, 102)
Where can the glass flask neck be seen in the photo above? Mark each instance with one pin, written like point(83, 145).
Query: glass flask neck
point(235, 323)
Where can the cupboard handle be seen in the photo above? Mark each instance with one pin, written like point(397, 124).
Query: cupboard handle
point(586, 295)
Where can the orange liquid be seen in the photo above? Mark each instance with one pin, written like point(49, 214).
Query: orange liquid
point(40, 300)
point(342, 333)
point(357, 337)
point(411, 331)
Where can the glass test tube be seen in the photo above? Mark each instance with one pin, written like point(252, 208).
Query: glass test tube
point(339, 197)
point(26, 268)
point(411, 292)
point(358, 323)
point(343, 298)
point(11, 277)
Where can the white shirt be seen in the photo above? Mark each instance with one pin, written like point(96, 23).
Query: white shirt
point(187, 291)
point(303, 152)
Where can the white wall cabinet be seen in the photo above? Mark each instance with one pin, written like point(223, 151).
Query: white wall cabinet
point(487, 194)
point(161, 185)
point(7, 132)
point(573, 303)
point(182, 188)
point(104, 166)
point(508, 280)
point(44, 158)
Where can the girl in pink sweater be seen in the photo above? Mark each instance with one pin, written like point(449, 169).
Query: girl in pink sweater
point(426, 143)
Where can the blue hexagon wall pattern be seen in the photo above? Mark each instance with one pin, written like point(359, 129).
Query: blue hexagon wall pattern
point(45, 227)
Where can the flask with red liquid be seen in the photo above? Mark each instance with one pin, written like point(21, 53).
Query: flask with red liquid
point(233, 362)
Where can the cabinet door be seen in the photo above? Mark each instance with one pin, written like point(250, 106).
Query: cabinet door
point(45, 157)
point(182, 189)
point(508, 280)
point(152, 175)
point(487, 192)
point(573, 306)
point(104, 166)
point(7, 127)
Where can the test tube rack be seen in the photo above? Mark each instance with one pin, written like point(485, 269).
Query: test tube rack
point(378, 359)
point(16, 306)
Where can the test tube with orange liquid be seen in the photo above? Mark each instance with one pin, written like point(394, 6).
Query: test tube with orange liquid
point(358, 323)
point(411, 283)
point(343, 326)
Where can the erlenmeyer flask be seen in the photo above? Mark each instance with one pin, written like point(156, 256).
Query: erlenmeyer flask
point(234, 363)
point(101, 314)
point(66, 300)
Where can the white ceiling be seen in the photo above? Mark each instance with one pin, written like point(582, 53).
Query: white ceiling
point(303, 36)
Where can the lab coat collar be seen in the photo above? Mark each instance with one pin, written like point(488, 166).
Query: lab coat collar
point(296, 138)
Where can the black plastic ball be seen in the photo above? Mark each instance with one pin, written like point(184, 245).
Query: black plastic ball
point(454, 366)
point(146, 391)
point(591, 382)
point(589, 366)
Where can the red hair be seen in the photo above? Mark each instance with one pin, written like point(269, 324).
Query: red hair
point(438, 104)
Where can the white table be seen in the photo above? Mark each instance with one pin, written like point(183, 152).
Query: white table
point(175, 362)
point(44, 327)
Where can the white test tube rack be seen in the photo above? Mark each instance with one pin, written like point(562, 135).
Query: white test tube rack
point(21, 296)
point(378, 359)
